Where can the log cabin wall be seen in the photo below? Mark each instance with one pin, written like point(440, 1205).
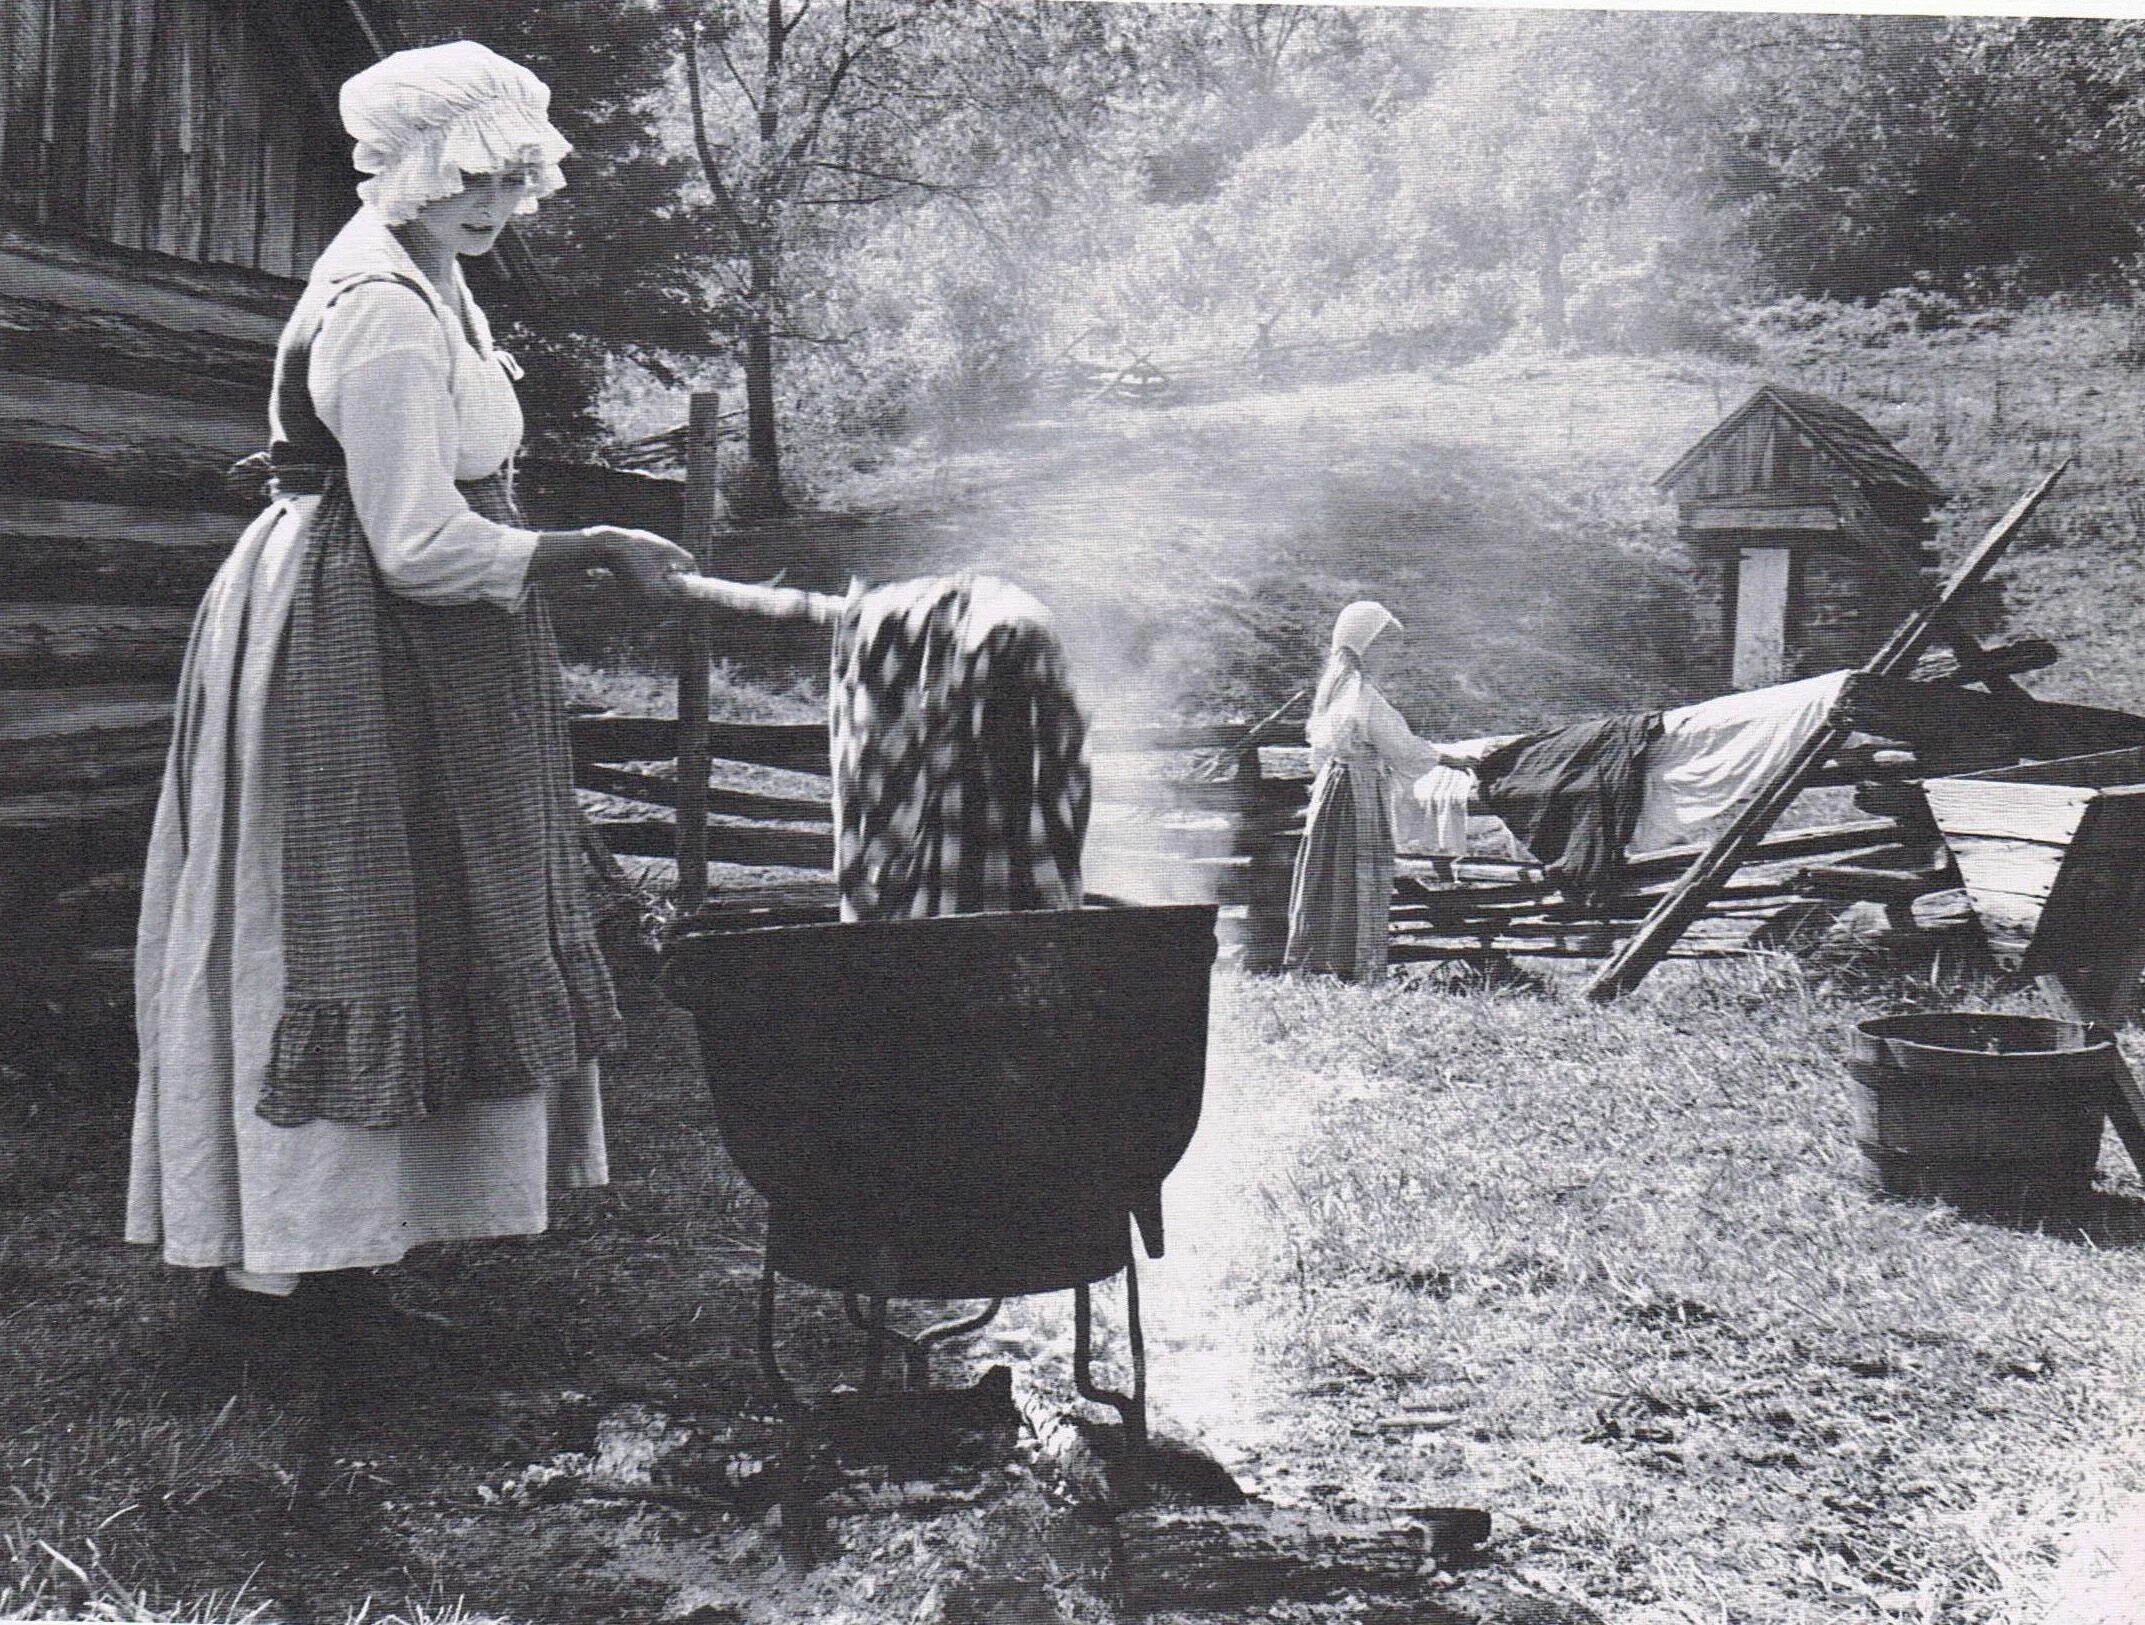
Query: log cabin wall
point(1846, 611)
point(191, 128)
point(166, 179)
point(169, 170)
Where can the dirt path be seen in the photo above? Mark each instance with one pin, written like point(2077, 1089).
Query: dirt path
point(1207, 1373)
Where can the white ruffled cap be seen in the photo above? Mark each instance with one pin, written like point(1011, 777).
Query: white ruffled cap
point(424, 120)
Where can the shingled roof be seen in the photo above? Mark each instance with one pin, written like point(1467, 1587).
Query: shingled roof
point(1849, 437)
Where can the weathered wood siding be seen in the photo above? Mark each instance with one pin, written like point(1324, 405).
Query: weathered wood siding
point(188, 127)
point(1762, 484)
point(169, 170)
point(1764, 453)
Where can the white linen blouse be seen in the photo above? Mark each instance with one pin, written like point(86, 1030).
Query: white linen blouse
point(418, 396)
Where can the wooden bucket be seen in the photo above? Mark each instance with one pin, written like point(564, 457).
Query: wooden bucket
point(1989, 1112)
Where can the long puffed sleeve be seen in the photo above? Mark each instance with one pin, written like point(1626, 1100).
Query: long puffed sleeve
point(1392, 738)
point(380, 381)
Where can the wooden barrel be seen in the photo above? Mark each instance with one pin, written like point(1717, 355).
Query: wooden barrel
point(1989, 1112)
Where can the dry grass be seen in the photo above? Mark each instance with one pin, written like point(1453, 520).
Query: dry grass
point(733, 696)
point(1627, 1261)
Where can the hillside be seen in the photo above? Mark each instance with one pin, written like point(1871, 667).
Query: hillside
point(1504, 508)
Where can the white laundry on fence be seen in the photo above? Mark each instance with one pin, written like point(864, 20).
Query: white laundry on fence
point(1706, 759)
point(1710, 756)
point(1430, 815)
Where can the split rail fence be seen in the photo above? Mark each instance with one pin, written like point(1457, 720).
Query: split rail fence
point(1204, 812)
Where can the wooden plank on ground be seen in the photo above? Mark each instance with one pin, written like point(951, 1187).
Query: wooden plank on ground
point(1462, 946)
point(1687, 899)
point(1251, 1556)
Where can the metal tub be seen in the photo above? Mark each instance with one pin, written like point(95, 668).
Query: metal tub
point(961, 1107)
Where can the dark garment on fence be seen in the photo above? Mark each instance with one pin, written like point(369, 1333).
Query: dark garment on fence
point(1571, 795)
point(961, 779)
point(438, 939)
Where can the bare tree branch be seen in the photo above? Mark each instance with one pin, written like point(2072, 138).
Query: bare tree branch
point(751, 96)
point(864, 172)
point(845, 62)
point(710, 164)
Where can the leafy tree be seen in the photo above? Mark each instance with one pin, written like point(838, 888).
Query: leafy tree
point(807, 116)
point(1864, 152)
point(619, 250)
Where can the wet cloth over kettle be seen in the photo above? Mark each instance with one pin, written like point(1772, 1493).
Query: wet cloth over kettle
point(961, 779)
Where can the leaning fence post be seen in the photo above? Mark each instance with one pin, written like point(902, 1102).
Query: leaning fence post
point(702, 437)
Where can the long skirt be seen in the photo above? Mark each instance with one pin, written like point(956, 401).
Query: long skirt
point(212, 1181)
point(1341, 899)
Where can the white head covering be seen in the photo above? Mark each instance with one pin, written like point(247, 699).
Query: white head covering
point(1340, 685)
point(1360, 625)
point(425, 120)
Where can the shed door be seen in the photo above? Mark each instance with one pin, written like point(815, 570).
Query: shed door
point(1761, 598)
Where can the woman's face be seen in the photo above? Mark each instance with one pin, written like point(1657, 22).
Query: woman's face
point(470, 222)
point(1377, 655)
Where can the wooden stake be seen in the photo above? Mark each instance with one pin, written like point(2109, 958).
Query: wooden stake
point(1687, 899)
point(702, 440)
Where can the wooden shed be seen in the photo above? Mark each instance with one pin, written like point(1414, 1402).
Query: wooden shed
point(169, 170)
point(1810, 531)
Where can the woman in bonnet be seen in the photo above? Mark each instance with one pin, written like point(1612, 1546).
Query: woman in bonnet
point(1363, 751)
point(369, 995)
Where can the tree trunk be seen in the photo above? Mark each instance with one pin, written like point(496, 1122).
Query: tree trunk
point(1253, 1556)
point(763, 452)
point(762, 495)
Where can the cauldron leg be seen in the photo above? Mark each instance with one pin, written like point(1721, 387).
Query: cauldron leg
point(873, 1320)
point(770, 1368)
point(1136, 1422)
point(917, 1350)
point(1133, 1410)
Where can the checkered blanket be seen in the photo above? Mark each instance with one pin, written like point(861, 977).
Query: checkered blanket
point(438, 940)
point(960, 753)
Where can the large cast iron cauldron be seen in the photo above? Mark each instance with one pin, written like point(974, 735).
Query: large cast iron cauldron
point(961, 1107)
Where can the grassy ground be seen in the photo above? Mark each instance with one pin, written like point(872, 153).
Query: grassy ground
point(1618, 1275)
point(1613, 1274)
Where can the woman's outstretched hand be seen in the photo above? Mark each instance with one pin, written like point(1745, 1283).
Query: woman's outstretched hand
point(648, 564)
